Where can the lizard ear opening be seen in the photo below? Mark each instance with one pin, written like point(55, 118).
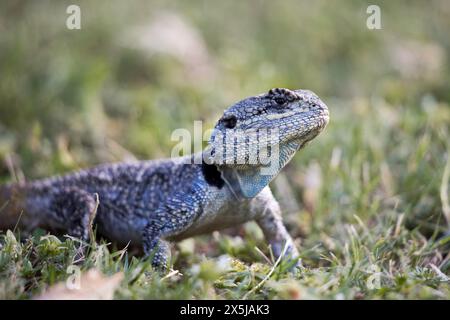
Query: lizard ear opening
point(229, 121)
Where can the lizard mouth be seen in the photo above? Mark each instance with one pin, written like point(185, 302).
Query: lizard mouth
point(251, 147)
point(303, 127)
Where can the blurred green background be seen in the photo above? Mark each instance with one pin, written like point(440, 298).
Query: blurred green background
point(116, 89)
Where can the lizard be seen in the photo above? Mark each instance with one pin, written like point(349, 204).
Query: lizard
point(149, 203)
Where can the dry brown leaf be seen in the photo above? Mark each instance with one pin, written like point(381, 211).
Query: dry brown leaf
point(92, 285)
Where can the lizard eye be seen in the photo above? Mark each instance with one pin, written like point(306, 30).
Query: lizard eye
point(230, 121)
point(280, 100)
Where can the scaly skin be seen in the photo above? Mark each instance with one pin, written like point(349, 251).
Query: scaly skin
point(149, 203)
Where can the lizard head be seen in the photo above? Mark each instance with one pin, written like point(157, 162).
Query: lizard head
point(256, 137)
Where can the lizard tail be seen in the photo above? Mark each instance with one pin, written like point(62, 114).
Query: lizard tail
point(11, 205)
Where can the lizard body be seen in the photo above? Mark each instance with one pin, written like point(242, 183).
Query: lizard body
point(151, 202)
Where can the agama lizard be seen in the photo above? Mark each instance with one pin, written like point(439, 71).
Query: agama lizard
point(147, 203)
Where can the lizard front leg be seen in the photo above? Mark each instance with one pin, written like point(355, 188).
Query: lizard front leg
point(173, 217)
point(271, 223)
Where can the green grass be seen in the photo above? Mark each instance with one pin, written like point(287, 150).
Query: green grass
point(365, 200)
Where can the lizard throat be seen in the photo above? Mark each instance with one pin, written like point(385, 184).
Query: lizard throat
point(247, 182)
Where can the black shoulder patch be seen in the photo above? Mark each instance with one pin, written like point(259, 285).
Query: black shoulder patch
point(212, 175)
